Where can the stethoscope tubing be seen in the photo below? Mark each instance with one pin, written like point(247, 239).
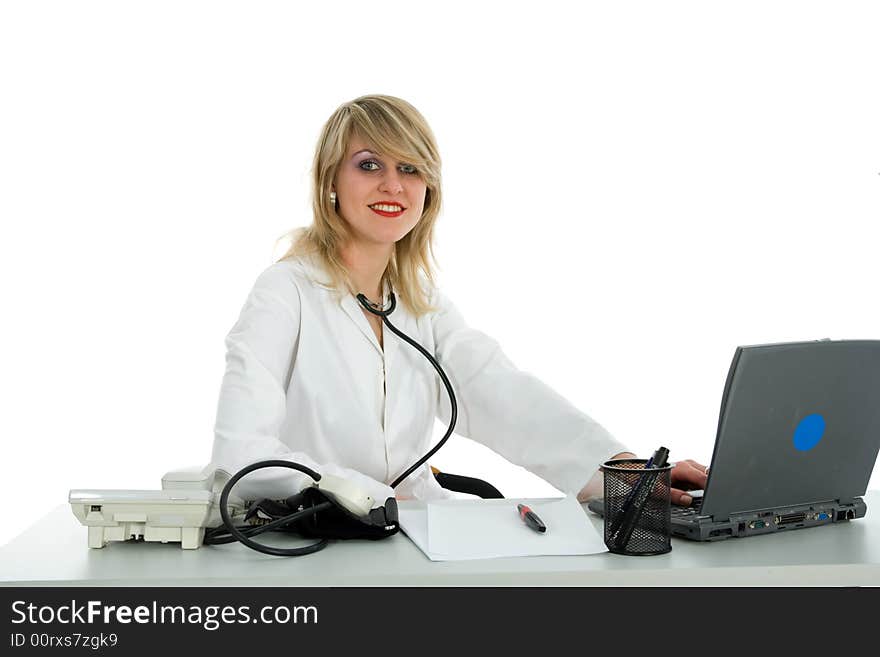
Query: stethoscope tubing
point(453, 404)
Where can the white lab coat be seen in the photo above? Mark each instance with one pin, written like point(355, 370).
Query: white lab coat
point(307, 381)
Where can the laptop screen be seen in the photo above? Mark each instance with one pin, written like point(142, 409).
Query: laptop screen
point(799, 423)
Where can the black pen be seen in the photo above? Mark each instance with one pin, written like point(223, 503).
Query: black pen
point(630, 514)
point(627, 503)
point(531, 518)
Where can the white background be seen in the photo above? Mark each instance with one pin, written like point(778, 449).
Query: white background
point(667, 180)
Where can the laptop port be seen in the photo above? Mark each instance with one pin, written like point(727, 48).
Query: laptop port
point(789, 518)
point(757, 524)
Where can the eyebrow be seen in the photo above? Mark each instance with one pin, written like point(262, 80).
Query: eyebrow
point(366, 150)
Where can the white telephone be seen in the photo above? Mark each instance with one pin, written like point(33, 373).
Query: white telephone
point(179, 512)
point(182, 510)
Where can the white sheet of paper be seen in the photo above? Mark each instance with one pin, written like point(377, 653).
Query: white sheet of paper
point(450, 530)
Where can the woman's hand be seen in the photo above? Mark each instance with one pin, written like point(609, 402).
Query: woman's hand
point(687, 475)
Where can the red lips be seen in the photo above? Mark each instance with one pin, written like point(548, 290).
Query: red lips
point(387, 214)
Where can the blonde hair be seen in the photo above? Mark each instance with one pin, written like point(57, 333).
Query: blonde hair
point(398, 130)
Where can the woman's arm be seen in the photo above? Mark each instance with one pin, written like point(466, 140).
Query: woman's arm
point(260, 356)
point(514, 413)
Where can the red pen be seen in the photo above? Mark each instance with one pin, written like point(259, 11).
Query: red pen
point(531, 518)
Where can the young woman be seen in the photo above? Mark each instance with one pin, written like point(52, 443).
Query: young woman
point(313, 376)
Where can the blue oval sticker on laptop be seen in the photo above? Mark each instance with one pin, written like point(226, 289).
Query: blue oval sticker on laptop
point(809, 432)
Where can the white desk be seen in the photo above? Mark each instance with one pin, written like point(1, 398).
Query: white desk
point(54, 552)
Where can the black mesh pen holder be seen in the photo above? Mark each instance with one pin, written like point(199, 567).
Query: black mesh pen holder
point(637, 507)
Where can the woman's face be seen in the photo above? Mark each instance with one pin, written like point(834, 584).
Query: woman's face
point(381, 200)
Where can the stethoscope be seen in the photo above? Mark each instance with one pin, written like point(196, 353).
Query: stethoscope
point(228, 532)
point(379, 311)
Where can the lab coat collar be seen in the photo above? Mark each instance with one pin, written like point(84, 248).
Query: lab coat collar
point(353, 309)
point(312, 268)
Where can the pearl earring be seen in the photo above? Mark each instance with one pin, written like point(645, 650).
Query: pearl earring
point(333, 198)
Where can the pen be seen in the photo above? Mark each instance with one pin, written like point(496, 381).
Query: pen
point(531, 518)
point(635, 504)
point(627, 503)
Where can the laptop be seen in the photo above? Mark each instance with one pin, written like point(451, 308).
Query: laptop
point(798, 436)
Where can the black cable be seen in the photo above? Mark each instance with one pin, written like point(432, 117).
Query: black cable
point(221, 536)
point(259, 547)
point(366, 303)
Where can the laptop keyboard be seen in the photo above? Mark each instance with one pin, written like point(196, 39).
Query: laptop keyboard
point(687, 511)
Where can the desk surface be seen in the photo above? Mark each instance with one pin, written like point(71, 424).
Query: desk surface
point(54, 552)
